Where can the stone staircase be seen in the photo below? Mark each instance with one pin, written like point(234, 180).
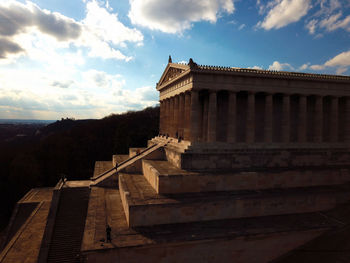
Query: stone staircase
point(131, 164)
point(69, 225)
point(162, 193)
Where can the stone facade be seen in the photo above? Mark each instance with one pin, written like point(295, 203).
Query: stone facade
point(216, 104)
point(243, 118)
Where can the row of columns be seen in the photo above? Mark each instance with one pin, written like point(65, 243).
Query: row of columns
point(184, 117)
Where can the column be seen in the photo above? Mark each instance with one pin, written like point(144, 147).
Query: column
point(194, 124)
point(347, 119)
point(212, 110)
point(167, 116)
point(176, 116)
point(232, 118)
point(318, 119)
point(181, 114)
point(187, 116)
point(268, 118)
point(205, 119)
point(161, 116)
point(286, 118)
point(250, 128)
point(334, 137)
point(171, 117)
point(302, 119)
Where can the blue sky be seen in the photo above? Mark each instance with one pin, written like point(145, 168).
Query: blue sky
point(91, 58)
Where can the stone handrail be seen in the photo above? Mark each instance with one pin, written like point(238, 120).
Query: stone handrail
point(120, 164)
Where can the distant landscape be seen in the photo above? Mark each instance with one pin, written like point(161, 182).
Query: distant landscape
point(36, 153)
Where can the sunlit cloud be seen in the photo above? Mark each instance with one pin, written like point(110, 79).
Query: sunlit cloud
point(175, 16)
point(280, 66)
point(283, 12)
point(340, 62)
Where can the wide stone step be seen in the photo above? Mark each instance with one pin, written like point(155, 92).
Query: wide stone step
point(166, 178)
point(144, 207)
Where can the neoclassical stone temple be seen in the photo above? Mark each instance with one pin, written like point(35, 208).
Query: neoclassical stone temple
point(245, 118)
point(234, 105)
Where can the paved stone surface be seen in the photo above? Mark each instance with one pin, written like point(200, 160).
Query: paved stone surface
point(333, 246)
point(38, 195)
point(25, 245)
point(105, 207)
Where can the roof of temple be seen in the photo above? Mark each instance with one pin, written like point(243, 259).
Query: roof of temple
point(191, 66)
point(273, 72)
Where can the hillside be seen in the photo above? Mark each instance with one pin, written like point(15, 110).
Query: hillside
point(67, 147)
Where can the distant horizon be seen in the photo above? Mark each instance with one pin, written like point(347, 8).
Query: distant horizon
point(11, 121)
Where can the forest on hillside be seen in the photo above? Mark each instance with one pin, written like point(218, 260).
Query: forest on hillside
point(67, 147)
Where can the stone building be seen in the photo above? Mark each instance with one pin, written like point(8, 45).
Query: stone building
point(249, 166)
point(234, 105)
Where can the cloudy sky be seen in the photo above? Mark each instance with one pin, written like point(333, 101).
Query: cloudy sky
point(91, 58)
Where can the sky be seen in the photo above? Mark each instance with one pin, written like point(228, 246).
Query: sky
point(91, 58)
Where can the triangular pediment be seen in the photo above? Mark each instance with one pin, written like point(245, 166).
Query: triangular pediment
point(171, 72)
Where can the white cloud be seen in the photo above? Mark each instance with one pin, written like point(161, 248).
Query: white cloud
point(327, 7)
point(89, 94)
point(283, 12)
point(241, 27)
point(62, 84)
point(340, 62)
point(343, 59)
point(100, 32)
point(48, 51)
point(100, 79)
point(329, 17)
point(317, 67)
point(311, 26)
point(107, 27)
point(175, 16)
point(280, 66)
point(333, 22)
point(256, 67)
point(341, 70)
point(304, 66)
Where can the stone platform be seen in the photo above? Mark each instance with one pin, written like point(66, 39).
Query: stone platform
point(244, 240)
point(166, 178)
point(144, 207)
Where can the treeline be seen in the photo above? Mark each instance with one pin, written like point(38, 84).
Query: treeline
point(70, 148)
